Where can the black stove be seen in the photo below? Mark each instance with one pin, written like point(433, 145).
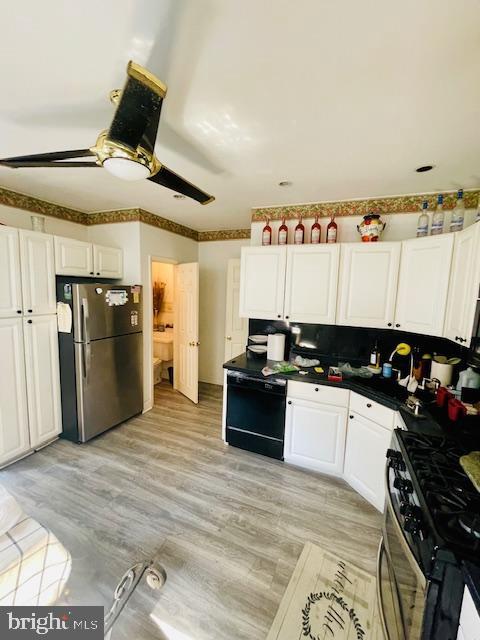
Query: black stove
point(449, 503)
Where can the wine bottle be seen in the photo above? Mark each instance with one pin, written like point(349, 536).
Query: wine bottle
point(315, 232)
point(299, 232)
point(332, 230)
point(438, 217)
point(422, 224)
point(283, 233)
point(267, 234)
point(458, 214)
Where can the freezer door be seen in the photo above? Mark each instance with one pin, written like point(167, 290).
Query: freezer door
point(109, 383)
point(105, 310)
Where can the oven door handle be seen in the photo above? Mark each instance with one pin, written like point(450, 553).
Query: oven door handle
point(381, 610)
point(400, 535)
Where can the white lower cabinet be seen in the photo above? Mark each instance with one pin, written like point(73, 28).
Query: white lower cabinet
point(315, 435)
point(43, 378)
point(14, 435)
point(364, 469)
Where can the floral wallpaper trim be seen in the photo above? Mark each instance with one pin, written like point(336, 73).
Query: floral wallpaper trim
point(392, 204)
point(36, 205)
point(224, 234)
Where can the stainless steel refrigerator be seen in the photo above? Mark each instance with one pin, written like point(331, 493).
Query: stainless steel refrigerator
point(101, 356)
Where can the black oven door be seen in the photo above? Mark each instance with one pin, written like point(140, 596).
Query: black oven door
point(401, 583)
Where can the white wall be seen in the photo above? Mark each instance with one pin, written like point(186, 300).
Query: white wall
point(22, 220)
point(213, 258)
point(399, 226)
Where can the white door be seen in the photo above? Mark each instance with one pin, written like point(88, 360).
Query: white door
point(367, 284)
point(73, 257)
point(38, 273)
point(367, 444)
point(315, 435)
point(185, 341)
point(262, 282)
point(236, 328)
point(463, 289)
point(43, 378)
point(423, 284)
point(107, 261)
point(10, 280)
point(311, 283)
point(14, 438)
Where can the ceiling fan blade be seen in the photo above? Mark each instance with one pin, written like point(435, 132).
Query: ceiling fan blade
point(138, 112)
point(173, 181)
point(50, 159)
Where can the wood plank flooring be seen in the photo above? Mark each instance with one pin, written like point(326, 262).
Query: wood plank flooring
point(227, 525)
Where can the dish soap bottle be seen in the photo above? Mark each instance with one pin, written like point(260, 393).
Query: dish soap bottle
point(422, 224)
point(438, 217)
point(458, 214)
point(299, 231)
point(267, 234)
point(316, 231)
point(332, 230)
point(283, 233)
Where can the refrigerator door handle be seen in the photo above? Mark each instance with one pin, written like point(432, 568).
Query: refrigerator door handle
point(86, 357)
point(85, 332)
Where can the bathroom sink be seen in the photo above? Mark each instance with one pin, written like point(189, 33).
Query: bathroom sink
point(163, 345)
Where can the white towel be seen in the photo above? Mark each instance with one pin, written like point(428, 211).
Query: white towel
point(10, 511)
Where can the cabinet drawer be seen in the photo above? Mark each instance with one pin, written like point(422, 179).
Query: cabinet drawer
point(372, 410)
point(318, 393)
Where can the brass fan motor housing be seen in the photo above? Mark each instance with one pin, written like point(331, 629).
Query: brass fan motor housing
point(105, 148)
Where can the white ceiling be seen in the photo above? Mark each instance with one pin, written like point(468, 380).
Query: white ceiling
point(342, 97)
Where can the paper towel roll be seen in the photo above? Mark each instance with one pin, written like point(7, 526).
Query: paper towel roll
point(276, 346)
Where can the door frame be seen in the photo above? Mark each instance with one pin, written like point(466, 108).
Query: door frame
point(148, 312)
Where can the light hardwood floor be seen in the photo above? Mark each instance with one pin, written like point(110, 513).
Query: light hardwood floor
point(227, 525)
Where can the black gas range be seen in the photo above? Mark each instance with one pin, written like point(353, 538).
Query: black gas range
point(432, 525)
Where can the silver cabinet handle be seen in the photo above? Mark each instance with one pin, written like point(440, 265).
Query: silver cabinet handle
point(229, 337)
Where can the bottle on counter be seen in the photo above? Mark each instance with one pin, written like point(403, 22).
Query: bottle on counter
point(458, 214)
point(267, 234)
point(316, 231)
point(332, 230)
point(438, 217)
point(283, 233)
point(422, 224)
point(375, 356)
point(299, 232)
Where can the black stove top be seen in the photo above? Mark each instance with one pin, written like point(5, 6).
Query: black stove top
point(444, 491)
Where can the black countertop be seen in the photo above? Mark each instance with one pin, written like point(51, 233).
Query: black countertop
point(388, 393)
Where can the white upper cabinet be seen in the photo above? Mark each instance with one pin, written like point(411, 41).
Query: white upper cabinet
point(262, 282)
point(73, 257)
point(38, 273)
point(43, 378)
point(423, 284)
point(315, 435)
point(107, 261)
point(10, 279)
point(464, 286)
point(14, 438)
point(311, 283)
point(368, 284)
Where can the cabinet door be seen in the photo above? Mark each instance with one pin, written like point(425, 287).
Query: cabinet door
point(14, 439)
point(315, 435)
point(463, 289)
point(73, 257)
point(368, 284)
point(38, 273)
point(107, 261)
point(311, 283)
point(423, 284)
point(43, 378)
point(367, 444)
point(10, 283)
point(262, 282)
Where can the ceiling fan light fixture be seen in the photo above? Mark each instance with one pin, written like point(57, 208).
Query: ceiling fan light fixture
point(126, 169)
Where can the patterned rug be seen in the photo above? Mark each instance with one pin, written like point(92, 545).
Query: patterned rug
point(327, 599)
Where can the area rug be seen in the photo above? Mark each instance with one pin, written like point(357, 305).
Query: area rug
point(327, 598)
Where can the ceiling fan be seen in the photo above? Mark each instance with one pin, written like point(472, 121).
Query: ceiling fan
point(127, 148)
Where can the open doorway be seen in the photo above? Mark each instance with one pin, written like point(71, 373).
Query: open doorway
point(163, 306)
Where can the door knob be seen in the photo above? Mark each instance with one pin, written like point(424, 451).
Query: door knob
point(229, 337)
